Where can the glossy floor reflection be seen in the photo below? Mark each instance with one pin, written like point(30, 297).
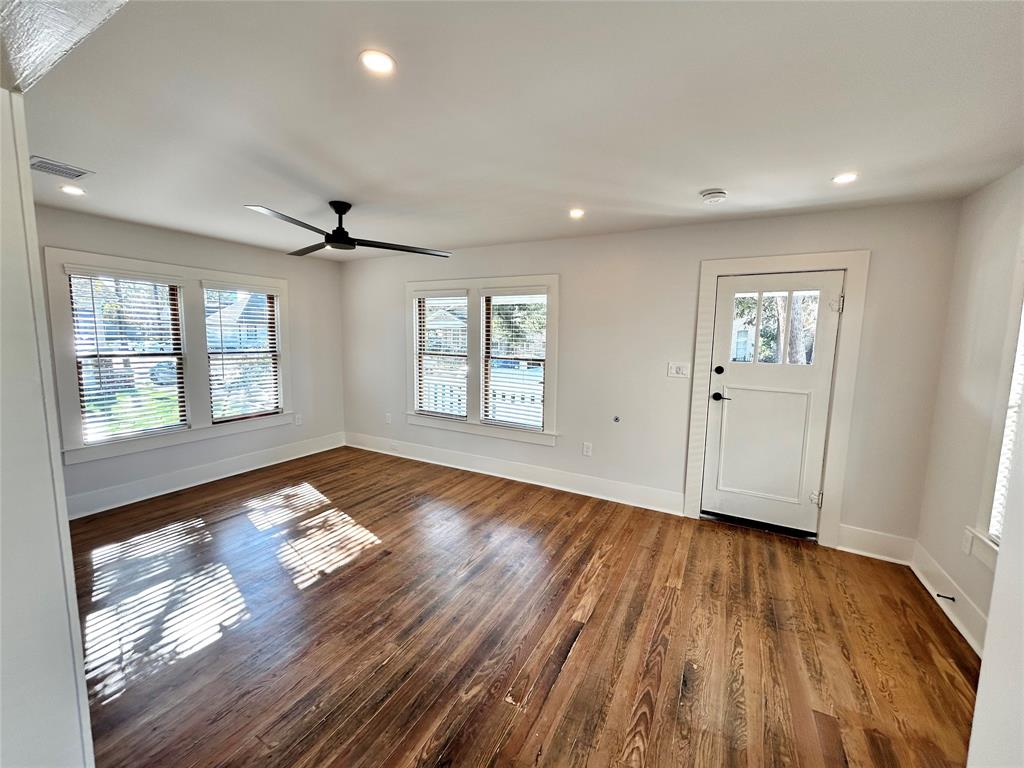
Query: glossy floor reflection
point(355, 609)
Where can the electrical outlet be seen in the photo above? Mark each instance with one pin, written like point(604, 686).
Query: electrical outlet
point(298, 419)
point(387, 418)
point(588, 449)
point(679, 370)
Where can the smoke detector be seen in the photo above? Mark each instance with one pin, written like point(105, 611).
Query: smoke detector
point(713, 196)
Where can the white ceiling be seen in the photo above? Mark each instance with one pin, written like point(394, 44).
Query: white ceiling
point(502, 116)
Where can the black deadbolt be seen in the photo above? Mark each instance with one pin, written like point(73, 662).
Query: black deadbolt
point(719, 396)
point(719, 369)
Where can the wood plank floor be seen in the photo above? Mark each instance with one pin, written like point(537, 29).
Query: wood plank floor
point(355, 609)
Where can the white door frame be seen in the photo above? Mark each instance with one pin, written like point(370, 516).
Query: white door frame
point(855, 264)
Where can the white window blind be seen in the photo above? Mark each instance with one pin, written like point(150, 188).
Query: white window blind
point(442, 369)
point(243, 344)
point(128, 356)
point(514, 344)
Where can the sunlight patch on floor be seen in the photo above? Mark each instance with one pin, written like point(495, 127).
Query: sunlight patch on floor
point(142, 557)
point(323, 544)
point(143, 618)
point(284, 505)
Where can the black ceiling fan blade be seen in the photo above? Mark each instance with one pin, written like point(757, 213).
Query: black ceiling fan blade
point(283, 217)
point(397, 247)
point(308, 249)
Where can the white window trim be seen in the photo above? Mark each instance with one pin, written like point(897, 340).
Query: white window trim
point(980, 545)
point(475, 289)
point(855, 263)
point(191, 281)
point(997, 425)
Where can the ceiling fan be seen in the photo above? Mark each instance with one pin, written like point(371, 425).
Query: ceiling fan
point(339, 238)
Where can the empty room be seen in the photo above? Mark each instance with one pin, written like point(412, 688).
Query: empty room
point(512, 384)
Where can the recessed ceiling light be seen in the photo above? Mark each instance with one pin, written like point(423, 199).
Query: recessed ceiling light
point(845, 178)
point(378, 62)
point(577, 213)
point(713, 196)
point(72, 189)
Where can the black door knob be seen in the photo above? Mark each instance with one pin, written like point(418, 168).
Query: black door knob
point(719, 369)
point(719, 396)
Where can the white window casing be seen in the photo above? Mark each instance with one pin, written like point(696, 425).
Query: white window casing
point(158, 356)
point(511, 361)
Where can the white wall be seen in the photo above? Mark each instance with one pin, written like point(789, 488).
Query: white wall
point(43, 712)
point(628, 306)
point(997, 739)
point(314, 320)
point(984, 305)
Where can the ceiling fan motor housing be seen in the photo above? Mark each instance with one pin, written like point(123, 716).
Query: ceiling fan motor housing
point(339, 236)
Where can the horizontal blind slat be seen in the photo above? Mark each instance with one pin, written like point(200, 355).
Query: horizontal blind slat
point(242, 339)
point(128, 344)
point(515, 349)
point(442, 364)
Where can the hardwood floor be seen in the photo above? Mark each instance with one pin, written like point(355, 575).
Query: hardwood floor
point(355, 609)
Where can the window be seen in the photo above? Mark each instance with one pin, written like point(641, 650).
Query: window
point(744, 322)
point(128, 356)
point(149, 355)
point(770, 337)
point(242, 345)
point(1011, 435)
point(784, 325)
point(515, 340)
point(483, 355)
point(803, 326)
point(442, 349)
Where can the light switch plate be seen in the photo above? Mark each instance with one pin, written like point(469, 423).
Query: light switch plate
point(679, 370)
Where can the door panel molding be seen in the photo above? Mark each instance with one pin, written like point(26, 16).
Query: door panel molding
point(797, 499)
point(855, 264)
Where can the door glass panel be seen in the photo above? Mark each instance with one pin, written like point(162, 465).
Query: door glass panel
point(744, 322)
point(773, 321)
point(803, 324)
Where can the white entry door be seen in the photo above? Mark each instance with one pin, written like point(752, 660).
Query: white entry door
point(771, 381)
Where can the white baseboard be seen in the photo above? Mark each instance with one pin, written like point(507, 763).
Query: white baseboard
point(91, 502)
point(969, 620)
point(876, 544)
point(966, 616)
point(658, 499)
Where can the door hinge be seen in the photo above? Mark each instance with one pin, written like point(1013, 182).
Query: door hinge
point(839, 304)
point(818, 498)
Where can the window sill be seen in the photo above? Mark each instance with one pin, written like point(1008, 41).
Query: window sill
point(128, 445)
point(487, 430)
point(978, 544)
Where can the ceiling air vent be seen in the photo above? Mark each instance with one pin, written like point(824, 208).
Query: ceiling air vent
point(55, 168)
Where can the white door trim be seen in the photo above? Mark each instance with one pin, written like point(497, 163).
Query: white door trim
point(855, 264)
